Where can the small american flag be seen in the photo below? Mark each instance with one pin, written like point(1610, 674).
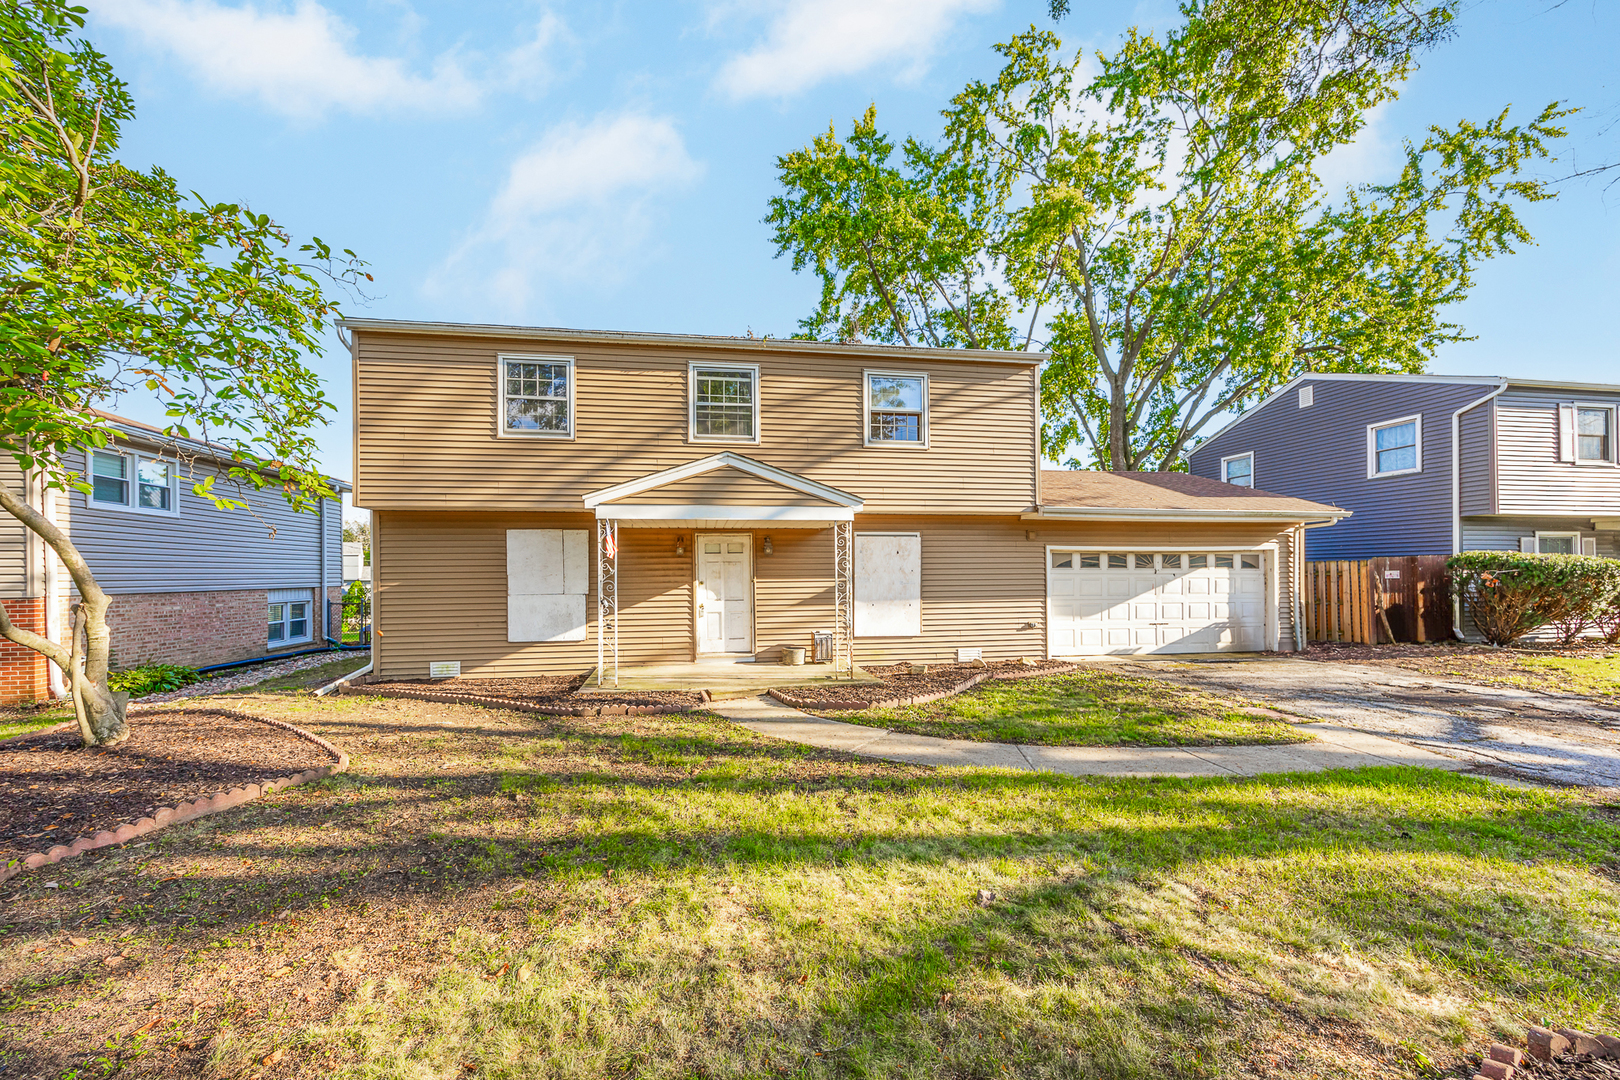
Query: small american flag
point(610, 544)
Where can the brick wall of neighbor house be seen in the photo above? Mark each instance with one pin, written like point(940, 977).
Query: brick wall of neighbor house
point(24, 675)
point(196, 629)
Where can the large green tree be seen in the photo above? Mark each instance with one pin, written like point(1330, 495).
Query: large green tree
point(1155, 218)
point(112, 279)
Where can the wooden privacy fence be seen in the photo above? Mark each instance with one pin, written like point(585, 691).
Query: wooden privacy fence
point(1369, 601)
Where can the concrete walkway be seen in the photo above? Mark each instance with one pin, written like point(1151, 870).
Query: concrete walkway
point(1334, 748)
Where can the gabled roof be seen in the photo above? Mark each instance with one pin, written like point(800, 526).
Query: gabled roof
point(155, 438)
point(1074, 493)
point(725, 460)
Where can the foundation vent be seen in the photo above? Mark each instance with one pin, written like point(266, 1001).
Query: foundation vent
point(444, 669)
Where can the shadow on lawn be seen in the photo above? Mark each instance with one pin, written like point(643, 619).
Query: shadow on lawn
point(1071, 933)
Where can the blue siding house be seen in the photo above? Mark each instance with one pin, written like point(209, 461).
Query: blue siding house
point(1435, 464)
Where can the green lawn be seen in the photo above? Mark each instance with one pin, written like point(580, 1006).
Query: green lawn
point(1598, 676)
point(503, 895)
point(1090, 707)
point(22, 721)
point(309, 678)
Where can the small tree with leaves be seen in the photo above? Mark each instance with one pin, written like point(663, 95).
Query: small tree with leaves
point(1155, 218)
point(112, 279)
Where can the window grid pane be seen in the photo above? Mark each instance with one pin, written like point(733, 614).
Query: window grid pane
point(153, 478)
point(536, 396)
point(1592, 435)
point(896, 427)
point(723, 403)
point(108, 481)
point(1240, 471)
point(895, 408)
point(1396, 447)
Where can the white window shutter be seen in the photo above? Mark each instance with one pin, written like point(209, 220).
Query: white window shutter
point(1527, 545)
point(546, 583)
point(888, 585)
point(1589, 546)
point(1566, 433)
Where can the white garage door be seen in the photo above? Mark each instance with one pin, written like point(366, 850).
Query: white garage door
point(1155, 602)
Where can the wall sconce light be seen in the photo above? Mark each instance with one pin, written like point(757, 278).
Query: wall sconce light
point(768, 548)
point(680, 545)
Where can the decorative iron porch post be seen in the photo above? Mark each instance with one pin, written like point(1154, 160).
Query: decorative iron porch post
point(607, 600)
point(843, 599)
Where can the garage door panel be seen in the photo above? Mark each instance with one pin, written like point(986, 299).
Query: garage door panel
point(1138, 602)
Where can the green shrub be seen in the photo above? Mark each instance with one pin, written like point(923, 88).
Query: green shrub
point(1510, 594)
point(153, 679)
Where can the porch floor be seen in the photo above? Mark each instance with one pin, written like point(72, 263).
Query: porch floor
point(721, 678)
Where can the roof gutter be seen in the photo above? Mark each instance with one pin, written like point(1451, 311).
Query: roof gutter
point(1139, 513)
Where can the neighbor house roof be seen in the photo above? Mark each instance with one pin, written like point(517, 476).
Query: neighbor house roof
point(700, 341)
point(1073, 493)
point(154, 438)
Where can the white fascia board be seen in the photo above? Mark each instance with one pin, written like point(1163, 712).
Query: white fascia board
point(712, 512)
point(1126, 513)
point(723, 460)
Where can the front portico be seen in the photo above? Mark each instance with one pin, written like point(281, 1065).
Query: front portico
point(725, 510)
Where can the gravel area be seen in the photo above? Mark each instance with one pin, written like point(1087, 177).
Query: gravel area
point(53, 789)
point(561, 690)
point(238, 678)
point(897, 681)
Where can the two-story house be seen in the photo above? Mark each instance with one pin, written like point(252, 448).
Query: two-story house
point(549, 501)
point(1435, 464)
point(191, 584)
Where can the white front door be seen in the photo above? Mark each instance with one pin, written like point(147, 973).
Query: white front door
point(1163, 602)
point(724, 593)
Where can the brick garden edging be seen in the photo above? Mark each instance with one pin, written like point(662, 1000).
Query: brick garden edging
point(192, 809)
point(492, 702)
point(855, 704)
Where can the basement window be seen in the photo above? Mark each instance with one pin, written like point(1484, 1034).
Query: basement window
point(290, 621)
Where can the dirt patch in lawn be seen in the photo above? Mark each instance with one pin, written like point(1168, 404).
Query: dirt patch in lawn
point(562, 691)
point(1588, 670)
point(899, 681)
point(54, 790)
point(1089, 707)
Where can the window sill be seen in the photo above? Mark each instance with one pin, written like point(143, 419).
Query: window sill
point(1398, 472)
point(543, 436)
point(895, 444)
point(721, 440)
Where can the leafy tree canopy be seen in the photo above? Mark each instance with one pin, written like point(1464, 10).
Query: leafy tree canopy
point(1154, 219)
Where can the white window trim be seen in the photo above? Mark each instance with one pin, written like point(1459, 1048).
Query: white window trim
point(1573, 534)
point(866, 410)
point(132, 482)
point(1614, 435)
point(1238, 457)
point(1372, 446)
point(691, 402)
point(501, 430)
point(305, 596)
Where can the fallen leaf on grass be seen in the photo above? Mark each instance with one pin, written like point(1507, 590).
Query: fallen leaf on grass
point(77, 941)
point(148, 1025)
point(113, 961)
point(525, 973)
point(278, 973)
point(275, 1056)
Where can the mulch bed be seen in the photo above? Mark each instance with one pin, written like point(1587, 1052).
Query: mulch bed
point(897, 681)
point(555, 691)
point(54, 790)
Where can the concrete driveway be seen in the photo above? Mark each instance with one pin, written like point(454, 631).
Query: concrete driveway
point(1555, 738)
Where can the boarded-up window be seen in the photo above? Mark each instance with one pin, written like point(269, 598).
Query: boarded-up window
point(546, 584)
point(888, 584)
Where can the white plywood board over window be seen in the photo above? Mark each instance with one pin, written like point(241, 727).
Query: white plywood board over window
point(888, 584)
point(546, 582)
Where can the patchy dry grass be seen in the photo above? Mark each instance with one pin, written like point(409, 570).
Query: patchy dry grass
point(503, 895)
point(1087, 708)
point(1591, 669)
point(23, 719)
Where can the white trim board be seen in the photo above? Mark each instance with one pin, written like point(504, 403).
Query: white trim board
point(724, 459)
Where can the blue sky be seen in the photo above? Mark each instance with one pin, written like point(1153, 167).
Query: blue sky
point(606, 165)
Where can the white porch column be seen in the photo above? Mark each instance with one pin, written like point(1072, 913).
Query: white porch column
point(843, 599)
point(607, 601)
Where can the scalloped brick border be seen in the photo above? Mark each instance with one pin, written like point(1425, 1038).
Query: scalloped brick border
point(855, 704)
point(193, 809)
point(518, 706)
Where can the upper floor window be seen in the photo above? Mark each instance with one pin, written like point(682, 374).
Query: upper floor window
point(1395, 447)
point(896, 408)
point(131, 481)
point(1238, 470)
point(725, 403)
point(537, 396)
point(1594, 433)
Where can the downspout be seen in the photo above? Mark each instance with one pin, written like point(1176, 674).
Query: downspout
point(1301, 632)
point(326, 630)
point(1456, 494)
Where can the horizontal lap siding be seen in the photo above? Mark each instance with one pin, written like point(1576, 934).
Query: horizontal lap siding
point(13, 537)
point(426, 427)
point(723, 487)
point(1478, 473)
point(793, 589)
point(1531, 478)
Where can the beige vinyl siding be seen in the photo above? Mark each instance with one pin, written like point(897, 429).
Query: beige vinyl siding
point(14, 539)
point(427, 428)
point(1478, 460)
point(724, 487)
point(441, 588)
point(1531, 479)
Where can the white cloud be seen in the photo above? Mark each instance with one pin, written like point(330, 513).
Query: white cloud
point(299, 61)
point(813, 40)
point(579, 204)
point(1374, 156)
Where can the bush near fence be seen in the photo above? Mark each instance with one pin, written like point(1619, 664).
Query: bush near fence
point(1508, 594)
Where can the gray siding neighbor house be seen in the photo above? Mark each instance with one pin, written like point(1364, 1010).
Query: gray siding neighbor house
point(1435, 464)
point(191, 584)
